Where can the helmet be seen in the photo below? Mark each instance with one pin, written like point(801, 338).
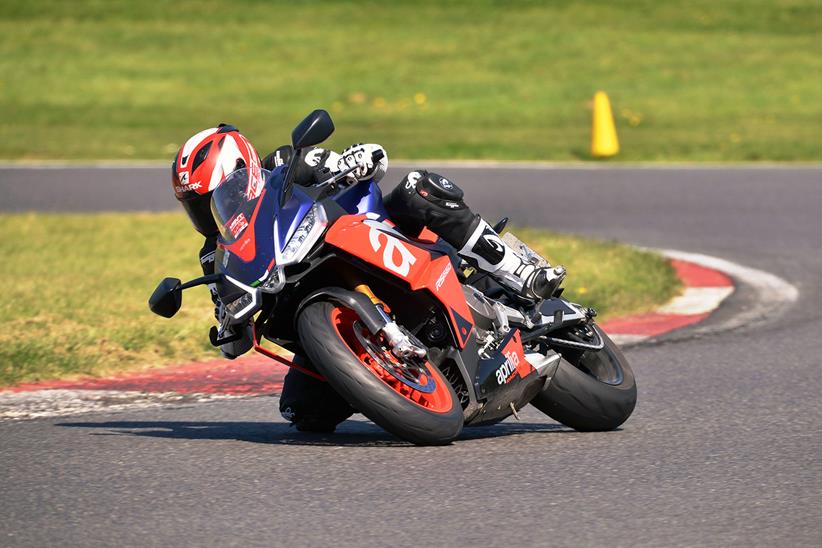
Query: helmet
point(202, 164)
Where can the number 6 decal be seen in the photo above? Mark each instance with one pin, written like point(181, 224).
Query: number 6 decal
point(392, 244)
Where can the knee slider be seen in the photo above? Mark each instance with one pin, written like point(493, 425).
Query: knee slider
point(427, 199)
point(439, 187)
point(440, 191)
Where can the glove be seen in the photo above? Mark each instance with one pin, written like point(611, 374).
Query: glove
point(361, 155)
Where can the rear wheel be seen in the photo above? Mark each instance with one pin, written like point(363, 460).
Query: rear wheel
point(410, 399)
point(592, 390)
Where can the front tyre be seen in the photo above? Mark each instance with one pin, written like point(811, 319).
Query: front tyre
point(592, 390)
point(412, 401)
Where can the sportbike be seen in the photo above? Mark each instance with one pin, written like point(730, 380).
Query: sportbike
point(400, 327)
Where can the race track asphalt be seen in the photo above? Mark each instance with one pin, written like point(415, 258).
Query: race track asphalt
point(723, 449)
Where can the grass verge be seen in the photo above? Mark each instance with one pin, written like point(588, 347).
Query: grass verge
point(77, 288)
point(690, 80)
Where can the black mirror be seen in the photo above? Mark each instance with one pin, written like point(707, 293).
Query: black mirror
point(313, 130)
point(167, 298)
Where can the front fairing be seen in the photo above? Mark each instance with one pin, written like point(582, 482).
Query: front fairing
point(251, 258)
point(420, 264)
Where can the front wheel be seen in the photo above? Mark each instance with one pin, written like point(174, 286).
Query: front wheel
point(592, 390)
point(413, 401)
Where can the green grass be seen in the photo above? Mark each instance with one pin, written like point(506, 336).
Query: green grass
point(691, 80)
point(77, 286)
point(613, 278)
point(77, 289)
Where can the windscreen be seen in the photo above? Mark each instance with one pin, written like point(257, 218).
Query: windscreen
point(233, 202)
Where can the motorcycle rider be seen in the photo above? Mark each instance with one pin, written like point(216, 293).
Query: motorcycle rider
point(422, 199)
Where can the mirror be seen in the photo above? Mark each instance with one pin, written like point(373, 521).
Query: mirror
point(313, 130)
point(167, 298)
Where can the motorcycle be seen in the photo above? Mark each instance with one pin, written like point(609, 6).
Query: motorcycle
point(400, 327)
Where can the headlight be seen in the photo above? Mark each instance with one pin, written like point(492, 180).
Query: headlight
point(275, 281)
point(245, 305)
point(237, 305)
point(306, 235)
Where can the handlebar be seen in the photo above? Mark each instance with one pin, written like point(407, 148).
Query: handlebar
point(376, 157)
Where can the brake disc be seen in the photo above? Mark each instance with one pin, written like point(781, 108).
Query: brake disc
point(407, 372)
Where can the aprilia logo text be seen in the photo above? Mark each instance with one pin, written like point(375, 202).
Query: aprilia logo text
point(508, 367)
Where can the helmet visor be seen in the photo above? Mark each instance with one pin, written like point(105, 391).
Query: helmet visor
point(233, 202)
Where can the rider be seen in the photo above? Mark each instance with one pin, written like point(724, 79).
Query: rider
point(422, 199)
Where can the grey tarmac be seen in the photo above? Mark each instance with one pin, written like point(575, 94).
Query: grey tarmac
point(724, 447)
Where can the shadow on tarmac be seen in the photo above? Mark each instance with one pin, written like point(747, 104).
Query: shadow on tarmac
point(349, 433)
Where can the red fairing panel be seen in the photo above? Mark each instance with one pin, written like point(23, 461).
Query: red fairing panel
point(515, 355)
point(379, 243)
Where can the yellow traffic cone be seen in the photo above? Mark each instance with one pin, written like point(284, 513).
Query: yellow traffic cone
point(604, 142)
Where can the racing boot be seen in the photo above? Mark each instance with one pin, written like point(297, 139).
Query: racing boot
point(310, 404)
point(525, 272)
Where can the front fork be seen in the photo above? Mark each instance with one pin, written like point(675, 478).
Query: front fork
point(402, 346)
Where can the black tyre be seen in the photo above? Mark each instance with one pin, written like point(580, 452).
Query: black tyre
point(360, 370)
point(592, 390)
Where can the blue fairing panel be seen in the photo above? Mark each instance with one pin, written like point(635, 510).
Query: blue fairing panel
point(365, 198)
point(275, 224)
point(256, 268)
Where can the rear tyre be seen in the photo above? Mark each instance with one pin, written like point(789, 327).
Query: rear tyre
point(592, 390)
point(360, 369)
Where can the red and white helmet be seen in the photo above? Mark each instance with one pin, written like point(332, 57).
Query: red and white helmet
point(202, 164)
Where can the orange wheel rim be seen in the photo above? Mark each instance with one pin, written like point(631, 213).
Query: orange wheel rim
point(439, 400)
